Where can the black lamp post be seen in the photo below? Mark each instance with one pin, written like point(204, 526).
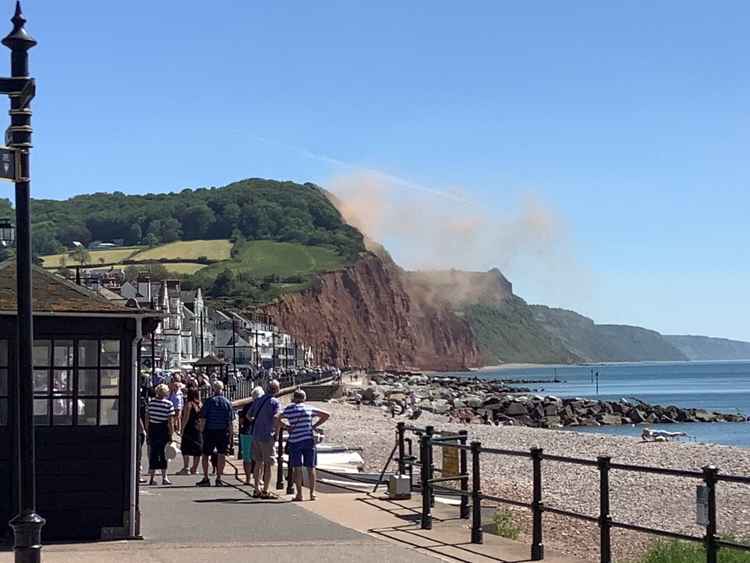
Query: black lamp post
point(27, 524)
point(7, 233)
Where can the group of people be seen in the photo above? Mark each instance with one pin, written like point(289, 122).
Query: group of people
point(206, 431)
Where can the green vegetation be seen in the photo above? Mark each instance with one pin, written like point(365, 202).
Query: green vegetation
point(509, 333)
point(109, 256)
point(183, 268)
point(684, 552)
point(253, 209)
point(213, 250)
point(504, 526)
point(262, 270)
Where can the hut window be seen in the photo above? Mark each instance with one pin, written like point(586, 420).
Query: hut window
point(3, 382)
point(76, 382)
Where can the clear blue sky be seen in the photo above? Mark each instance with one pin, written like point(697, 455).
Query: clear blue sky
point(630, 118)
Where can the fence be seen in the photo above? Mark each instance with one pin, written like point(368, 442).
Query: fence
point(429, 439)
point(243, 388)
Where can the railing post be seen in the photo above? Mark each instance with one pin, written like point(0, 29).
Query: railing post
point(280, 462)
point(476, 494)
point(429, 431)
point(463, 469)
point(400, 430)
point(709, 477)
point(425, 469)
point(605, 520)
point(537, 508)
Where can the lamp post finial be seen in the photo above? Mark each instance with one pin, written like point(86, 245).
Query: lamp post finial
point(19, 38)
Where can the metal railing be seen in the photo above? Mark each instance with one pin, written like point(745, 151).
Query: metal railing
point(429, 439)
point(242, 389)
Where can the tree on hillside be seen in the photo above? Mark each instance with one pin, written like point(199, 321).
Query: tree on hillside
point(81, 255)
point(171, 230)
point(197, 221)
point(150, 240)
point(223, 286)
point(135, 234)
point(153, 233)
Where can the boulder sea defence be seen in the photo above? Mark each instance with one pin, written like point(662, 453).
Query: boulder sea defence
point(496, 403)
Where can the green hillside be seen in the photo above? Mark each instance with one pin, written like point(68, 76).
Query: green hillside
point(253, 209)
point(509, 333)
point(261, 270)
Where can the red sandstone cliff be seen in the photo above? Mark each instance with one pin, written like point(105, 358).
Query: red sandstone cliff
point(365, 316)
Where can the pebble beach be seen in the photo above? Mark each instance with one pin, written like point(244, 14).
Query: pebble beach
point(636, 498)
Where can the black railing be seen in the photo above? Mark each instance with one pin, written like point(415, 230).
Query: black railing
point(429, 439)
point(242, 389)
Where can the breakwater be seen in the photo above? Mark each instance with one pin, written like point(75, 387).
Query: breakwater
point(493, 402)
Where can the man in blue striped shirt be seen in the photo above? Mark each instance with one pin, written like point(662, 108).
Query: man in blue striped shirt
point(302, 451)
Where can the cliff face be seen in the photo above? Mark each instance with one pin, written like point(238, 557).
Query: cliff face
point(365, 316)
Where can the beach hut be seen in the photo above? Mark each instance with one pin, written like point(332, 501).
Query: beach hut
point(85, 408)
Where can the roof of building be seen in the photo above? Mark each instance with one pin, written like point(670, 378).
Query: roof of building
point(209, 360)
point(54, 294)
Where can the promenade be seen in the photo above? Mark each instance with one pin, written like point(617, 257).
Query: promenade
point(227, 525)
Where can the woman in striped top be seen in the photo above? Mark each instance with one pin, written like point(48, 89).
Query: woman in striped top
point(302, 452)
point(159, 422)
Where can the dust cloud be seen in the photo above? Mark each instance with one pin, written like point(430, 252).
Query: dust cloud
point(443, 230)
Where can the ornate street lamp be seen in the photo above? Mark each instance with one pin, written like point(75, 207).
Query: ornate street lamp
point(27, 524)
point(7, 233)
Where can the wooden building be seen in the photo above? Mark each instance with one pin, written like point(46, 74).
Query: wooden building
point(85, 408)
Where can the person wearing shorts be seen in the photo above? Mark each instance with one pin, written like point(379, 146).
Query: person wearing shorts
point(217, 414)
point(246, 436)
point(302, 421)
point(263, 416)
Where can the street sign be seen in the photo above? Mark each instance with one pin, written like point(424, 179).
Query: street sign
point(8, 166)
point(701, 505)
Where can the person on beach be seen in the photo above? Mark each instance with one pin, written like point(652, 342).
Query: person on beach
point(302, 450)
point(217, 416)
point(159, 425)
point(262, 417)
point(192, 440)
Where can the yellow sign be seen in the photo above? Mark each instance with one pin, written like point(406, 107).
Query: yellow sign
point(450, 462)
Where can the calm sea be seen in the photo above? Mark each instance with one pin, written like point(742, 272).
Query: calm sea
point(714, 386)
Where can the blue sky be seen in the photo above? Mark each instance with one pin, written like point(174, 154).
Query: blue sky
point(629, 120)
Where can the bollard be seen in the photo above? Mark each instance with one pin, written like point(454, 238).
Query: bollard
point(476, 495)
point(537, 508)
point(400, 430)
point(429, 431)
point(712, 550)
point(605, 520)
point(280, 463)
point(424, 467)
point(463, 469)
point(290, 480)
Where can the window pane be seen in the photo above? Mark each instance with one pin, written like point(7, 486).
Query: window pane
point(3, 381)
point(110, 381)
point(3, 353)
point(62, 411)
point(3, 412)
point(87, 382)
point(41, 412)
point(41, 353)
point(88, 353)
point(61, 381)
point(111, 353)
point(63, 354)
point(110, 411)
point(87, 412)
point(41, 380)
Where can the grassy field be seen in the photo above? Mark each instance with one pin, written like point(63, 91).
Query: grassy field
point(264, 257)
point(683, 552)
point(109, 256)
point(188, 250)
point(184, 267)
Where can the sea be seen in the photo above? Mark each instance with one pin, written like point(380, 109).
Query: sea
point(714, 386)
